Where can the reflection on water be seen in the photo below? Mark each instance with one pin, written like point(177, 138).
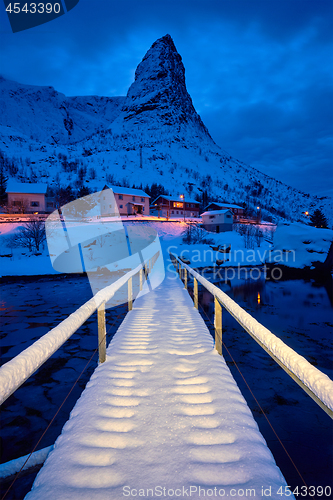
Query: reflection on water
point(299, 313)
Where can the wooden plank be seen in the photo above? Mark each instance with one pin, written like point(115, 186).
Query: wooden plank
point(130, 294)
point(101, 333)
point(218, 325)
point(141, 278)
point(196, 295)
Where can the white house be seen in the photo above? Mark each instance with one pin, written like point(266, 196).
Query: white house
point(235, 209)
point(28, 198)
point(129, 201)
point(217, 221)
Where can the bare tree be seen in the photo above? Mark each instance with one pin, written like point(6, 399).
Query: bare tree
point(31, 235)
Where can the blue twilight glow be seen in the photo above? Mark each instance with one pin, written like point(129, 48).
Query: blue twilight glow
point(259, 71)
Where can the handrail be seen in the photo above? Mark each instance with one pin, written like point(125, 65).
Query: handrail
point(16, 371)
point(315, 383)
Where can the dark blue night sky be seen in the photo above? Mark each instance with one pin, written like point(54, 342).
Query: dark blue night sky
point(259, 71)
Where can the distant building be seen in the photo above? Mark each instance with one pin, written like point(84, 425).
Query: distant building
point(174, 207)
point(217, 221)
point(235, 209)
point(129, 201)
point(28, 198)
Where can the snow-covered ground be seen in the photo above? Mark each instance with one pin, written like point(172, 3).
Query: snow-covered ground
point(298, 246)
point(294, 245)
point(171, 234)
point(162, 414)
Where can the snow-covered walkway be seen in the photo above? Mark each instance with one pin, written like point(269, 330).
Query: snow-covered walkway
point(162, 417)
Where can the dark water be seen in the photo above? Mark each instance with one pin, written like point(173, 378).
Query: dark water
point(29, 309)
point(299, 313)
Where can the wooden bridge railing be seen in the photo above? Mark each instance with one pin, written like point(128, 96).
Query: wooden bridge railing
point(315, 383)
point(14, 373)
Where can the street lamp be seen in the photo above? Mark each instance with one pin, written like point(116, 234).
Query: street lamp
point(183, 198)
point(258, 214)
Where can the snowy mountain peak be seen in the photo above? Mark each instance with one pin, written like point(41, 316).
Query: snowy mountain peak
point(153, 134)
point(158, 96)
point(161, 66)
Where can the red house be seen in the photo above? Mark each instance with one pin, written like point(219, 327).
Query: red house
point(174, 207)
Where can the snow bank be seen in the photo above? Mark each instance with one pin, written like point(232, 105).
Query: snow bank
point(298, 245)
point(13, 466)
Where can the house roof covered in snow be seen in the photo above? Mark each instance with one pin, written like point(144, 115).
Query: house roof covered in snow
point(216, 212)
point(26, 188)
point(176, 198)
point(123, 190)
point(229, 205)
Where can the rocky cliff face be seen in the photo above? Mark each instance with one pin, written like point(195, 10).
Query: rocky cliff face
point(158, 98)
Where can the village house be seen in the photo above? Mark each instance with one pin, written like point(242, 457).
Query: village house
point(174, 207)
point(129, 201)
point(217, 221)
point(235, 209)
point(28, 198)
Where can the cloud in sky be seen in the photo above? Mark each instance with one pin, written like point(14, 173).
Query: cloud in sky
point(259, 72)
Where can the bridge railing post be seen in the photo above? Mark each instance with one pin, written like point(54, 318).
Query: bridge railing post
point(101, 333)
point(185, 278)
point(141, 278)
point(218, 325)
point(195, 293)
point(130, 294)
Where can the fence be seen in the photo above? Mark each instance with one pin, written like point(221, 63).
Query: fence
point(315, 383)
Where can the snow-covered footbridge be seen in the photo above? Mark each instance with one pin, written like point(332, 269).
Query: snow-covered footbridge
point(162, 416)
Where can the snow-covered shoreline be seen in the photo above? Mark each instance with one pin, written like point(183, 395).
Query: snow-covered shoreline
point(295, 248)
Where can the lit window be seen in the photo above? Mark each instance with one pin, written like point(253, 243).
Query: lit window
point(177, 204)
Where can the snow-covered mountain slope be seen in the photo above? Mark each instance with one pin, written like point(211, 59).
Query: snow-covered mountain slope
point(151, 135)
point(43, 114)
